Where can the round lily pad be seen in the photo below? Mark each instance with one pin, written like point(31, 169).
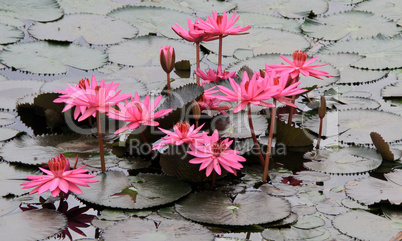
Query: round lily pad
point(51, 222)
point(392, 91)
point(390, 9)
point(10, 34)
point(366, 226)
point(11, 177)
point(101, 7)
point(352, 204)
point(372, 190)
point(115, 190)
point(6, 119)
point(349, 102)
point(309, 222)
point(395, 176)
point(11, 91)
point(146, 49)
point(356, 24)
point(43, 57)
point(348, 160)
point(331, 207)
point(239, 210)
point(238, 126)
point(95, 29)
point(267, 21)
point(291, 233)
point(7, 133)
point(156, 230)
point(311, 176)
point(38, 10)
point(279, 189)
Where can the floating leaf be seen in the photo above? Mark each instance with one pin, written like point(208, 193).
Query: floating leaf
point(309, 222)
point(395, 176)
point(331, 207)
point(267, 21)
point(155, 230)
point(238, 126)
point(10, 34)
point(348, 160)
point(352, 204)
point(89, 6)
point(146, 49)
point(292, 218)
point(390, 9)
point(291, 135)
point(95, 29)
point(286, 8)
point(302, 210)
point(379, 52)
point(356, 24)
point(366, 226)
point(290, 234)
point(349, 102)
point(38, 10)
point(43, 57)
point(115, 190)
point(12, 90)
point(11, 21)
point(243, 209)
point(279, 189)
point(11, 177)
point(372, 190)
point(392, 91)
point(6, 119)
point(7, 133)
point(311, 176)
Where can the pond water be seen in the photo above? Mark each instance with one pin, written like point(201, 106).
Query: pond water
point(312, 193)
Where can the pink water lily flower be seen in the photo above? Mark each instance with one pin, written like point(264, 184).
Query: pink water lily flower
point(90, 97)
point(250, 91)
point(138, 113)
point(208, 102)
point(214, 76)
point(220, 25)
point(193, 34)
point(59, 178)
point(300, 66)
point(213, 153)
point(183, 134)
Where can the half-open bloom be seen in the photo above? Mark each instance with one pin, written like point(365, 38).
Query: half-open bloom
point(193, 34)
point(219, 25)
point(59, 178)
point(300, 66)
point(90, 97)
point(138, 113)
point(213, 153)
point(183, 134)
point(214, 76)
point(167, 58)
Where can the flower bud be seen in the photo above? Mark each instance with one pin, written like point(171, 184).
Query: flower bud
point(196, 110)
point(167, 58)
point(322, 108)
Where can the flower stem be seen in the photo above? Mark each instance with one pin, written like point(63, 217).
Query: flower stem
point(101, 152)
point(270, 136)
point(291, 110)
point(220, 51)
point(144, 139)
point(213, 179)
point(197, 47)
point(319, 134)
point(168, 83)
point(257, 146)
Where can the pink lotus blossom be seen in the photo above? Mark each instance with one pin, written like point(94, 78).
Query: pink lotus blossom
point(300, 66)
point(193, 34)
point(213, 153)
point(138, 113)
point(208, 102)
point(59, 178)
point(252, 91)
point(214, 76)
point(220, 25)
point(183, 134)
point(90, 97)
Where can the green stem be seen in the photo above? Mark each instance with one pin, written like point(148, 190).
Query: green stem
point(270, 136)
point(101, 152)
point(257, 146)
point(197, 46)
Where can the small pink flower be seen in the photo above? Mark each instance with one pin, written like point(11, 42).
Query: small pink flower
point(59, 178)
point(208, 102)
point(213, 153)
point(300, 66)
point(214, 76)
point(138, 113)
point(220, 25)
point(90, 97)
point(167, 58)
point(252, 91)
point(193, 34)
point(183, 134)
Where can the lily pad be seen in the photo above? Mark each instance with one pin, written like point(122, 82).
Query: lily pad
point(11, 91)
point(309, 222)
point(331, 207)
point(238, 126)
point(279, 189)
point(350, 102)
point(95, 29)
point(366, 226)
point(372, 190)
point(146, 49)
point(384, 149)
point(286, 8)
point(89, 6)
point(43, 57)
point(312, 176)
point(11, 177)
point(267, 21)
point(155, 230)
point(292, 136)
point(392, 91)
point(395, 176)
point(7, 133)
point(10, 34)
point(390, 9)
point(355, 24)
point(38, 10)
point(290, 234)
point(6, 119)
point(51, 222)
point(379, 52)
point(352, 204)
point(348, 160)
point(243, 209)
point(115, 190)
point(152, 20)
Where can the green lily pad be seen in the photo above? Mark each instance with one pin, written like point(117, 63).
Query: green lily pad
point(11, 91)
point(115, 190)
point(372, 190)
point(11, 21)
point(309, 222)
point(243, 209)
point(238, 126)
point(392, 91)
point(292, 218)
point(146, 49)
point(311, 196)
point(43, 57)
point(379, 52)
point(303, 210)
point(356, 24)
point(51, 222)
point(312, 176)
point(348, 160)
point(11, 177)
point(350, 102)
point(152, 20)
point(267, 21)
point(331, 207)
point(279, 189)
point(395, 176)
point(352, 204)
point(6, 119)
point(101, 7)
point(286, 8)
point(95, 29)
point(7, 133)
point(155, 230)
point(261, 41)
point(366, 226)
point(170, 213)
point(10, 34)
point(38, 10)
point(291, 233)
point(390, 9)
